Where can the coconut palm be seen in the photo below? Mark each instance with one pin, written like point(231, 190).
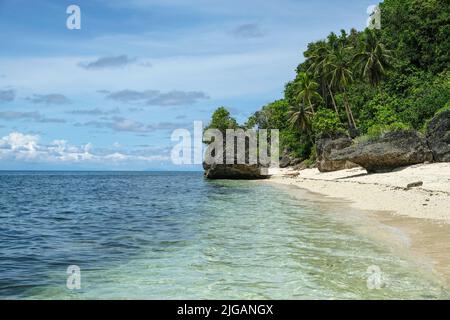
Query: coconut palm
point(340, 75)
point(307, 90)
point(299, 117)
point(373, 60)
point(319, 58)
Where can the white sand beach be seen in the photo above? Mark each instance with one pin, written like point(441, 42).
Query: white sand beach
point(381, 191)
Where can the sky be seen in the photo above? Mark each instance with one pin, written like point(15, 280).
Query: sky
point(109, 95)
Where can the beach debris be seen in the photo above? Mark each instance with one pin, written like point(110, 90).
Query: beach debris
point(414, 185)
point(291, 175)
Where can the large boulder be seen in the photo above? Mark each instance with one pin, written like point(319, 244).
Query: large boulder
point(392, 150)
point(285, 161)
point(235, 171)
point(328, 143)
point(438, 136)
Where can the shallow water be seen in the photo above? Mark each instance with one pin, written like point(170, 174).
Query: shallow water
point(178, 236)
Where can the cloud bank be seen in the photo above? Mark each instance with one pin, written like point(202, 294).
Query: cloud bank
point(7, 95)
point(107, 62)
point(26, 147)
point(120, 124)
point(249, 30)
point(157, 98)
point(49, 99)
point(34, 116)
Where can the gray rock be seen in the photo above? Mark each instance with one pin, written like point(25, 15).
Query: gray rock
point(438, 136)
point(301, 166)
point(414, 184)
point(295, 161)
point(214, 170)
point(392, 150)
point(285, 161)
point(235, 171)
point(325, 145)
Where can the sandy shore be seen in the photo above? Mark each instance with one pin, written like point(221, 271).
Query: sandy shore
point(382, 191)
point(414, 222)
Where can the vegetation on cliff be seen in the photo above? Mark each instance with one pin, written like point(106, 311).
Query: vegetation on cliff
point(364, 83)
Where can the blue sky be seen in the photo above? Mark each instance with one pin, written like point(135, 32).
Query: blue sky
point(108, 96)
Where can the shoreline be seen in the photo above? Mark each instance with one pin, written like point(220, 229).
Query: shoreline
point(380, 191)
point(385, 210)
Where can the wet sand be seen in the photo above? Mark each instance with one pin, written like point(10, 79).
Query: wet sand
point(425, 242)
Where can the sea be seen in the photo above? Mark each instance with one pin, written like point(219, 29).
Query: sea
point(176, 235)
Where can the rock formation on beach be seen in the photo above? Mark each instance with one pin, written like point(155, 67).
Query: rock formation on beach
point(325, 145)
point(235, 171)
point(215, 169)
point(438, 136)
point(287, 160)
point(392, 150)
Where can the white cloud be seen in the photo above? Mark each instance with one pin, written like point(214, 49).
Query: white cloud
point(18, 146)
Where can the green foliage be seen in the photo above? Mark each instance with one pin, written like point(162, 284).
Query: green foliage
point(326, 121)
point(418, 31)
point(272, 116)
point(300, 119)
point(222, 120)
point(373, 60)
point(444, 108)
point(275, 115)
point(379, 129)
point(298, 145)
point(377, 81)
point(306, 89)
point(424, 99)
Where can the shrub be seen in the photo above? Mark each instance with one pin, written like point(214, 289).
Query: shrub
point(439, 111)
point(326, 121)
point(378, 130)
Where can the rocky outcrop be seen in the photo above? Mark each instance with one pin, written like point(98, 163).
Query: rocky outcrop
point(438, 136)
point(235, 171)
point(390, 151)
point(287, 160)
point(325, 145)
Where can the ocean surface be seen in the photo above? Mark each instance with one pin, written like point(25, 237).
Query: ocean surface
point(147, 235)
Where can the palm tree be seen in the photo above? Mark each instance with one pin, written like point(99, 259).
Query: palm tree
point(341, 76)
point(373, 60)
point(307, 90)
point(319, 58)
point(299, 117)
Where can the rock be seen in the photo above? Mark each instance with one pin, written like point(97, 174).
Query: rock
point(235, 171)
point(438, 136)
point(325, 145)
point(414, 185)
point(285, 161)
point(301, 166)
point(390, 151)
point(295, 161)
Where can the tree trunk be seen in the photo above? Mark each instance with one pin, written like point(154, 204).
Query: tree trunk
point(332, 99)
point(349, 111)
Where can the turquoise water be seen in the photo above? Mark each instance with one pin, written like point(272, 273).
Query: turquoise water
point(178, 236)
